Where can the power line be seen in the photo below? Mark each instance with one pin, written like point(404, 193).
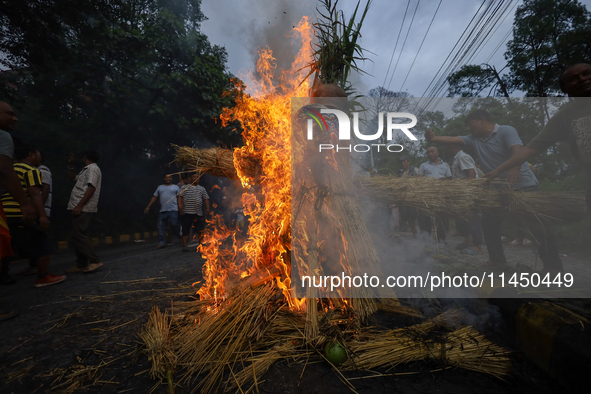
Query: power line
point(504, 38)
point(456, 44)
point(404, 43)
point(396, 45)
point(420, 46)
point(480, 33)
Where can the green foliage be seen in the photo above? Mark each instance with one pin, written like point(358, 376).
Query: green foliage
point(337, 52)
point(124, 77)
point(548, 36)
point(470, 81)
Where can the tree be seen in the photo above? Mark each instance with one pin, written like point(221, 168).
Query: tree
point(471, 80)
point(125, 77)
point(548, 36)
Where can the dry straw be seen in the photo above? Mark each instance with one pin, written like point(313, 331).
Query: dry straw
point(228, 345)
point(214, 161)
point(462, 198)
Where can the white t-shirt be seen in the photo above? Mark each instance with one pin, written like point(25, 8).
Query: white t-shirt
point(47, 179)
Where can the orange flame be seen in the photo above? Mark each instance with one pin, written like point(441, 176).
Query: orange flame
point(266, 120)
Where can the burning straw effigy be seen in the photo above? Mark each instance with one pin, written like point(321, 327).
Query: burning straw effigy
point(246, 314)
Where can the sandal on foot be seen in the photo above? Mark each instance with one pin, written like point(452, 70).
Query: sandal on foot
point(469, 251)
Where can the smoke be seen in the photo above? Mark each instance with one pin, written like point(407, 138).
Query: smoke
point(274, 26)
point(246, 27)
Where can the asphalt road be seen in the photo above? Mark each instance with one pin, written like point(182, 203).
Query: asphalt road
point(81, 335)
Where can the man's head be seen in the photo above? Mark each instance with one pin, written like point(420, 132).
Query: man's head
point(328, 90)
point(454, 148)
point(432, 154)
point(405, 160)
point(194, 179)
point(168, 179)
point(28, 154)
point(90, 156)
point(479, 122)
point(576, 80)
point(7, 117)
point(330, 94)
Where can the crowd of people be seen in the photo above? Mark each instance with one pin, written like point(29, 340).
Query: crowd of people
point(26, 201)
point(25, 207)
point(501, 153)
point(181, 209)
point(26, 188)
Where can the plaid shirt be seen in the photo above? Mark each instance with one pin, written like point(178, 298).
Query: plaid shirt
point(90, 174)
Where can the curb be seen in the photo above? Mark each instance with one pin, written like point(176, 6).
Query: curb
point(554, 338)
point(111, 240)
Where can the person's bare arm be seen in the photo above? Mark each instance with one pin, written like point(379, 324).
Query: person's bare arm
point(513, 175)
point(206, 202)
point(179, 202)
point(431, 137)
point(152, 201)
point(518, 157)
point(9, 180)
point(71, 173)
point(35, 194)
point(87, 195)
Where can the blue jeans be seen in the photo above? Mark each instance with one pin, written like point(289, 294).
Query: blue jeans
point(164, 220)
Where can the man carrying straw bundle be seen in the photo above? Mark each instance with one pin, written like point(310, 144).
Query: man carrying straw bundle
point(571, 123)
point(496, 144)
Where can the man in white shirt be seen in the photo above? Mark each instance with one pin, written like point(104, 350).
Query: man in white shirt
point(434, 168)
point(84, 206)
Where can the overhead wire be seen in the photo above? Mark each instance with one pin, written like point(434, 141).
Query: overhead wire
point(455, 45)
point(403, 44)
point(462, 42)
point(480, 33)
point(396, 45)
point(468, 43)
point(420, 46)
point(471, 47)
point(497, 28)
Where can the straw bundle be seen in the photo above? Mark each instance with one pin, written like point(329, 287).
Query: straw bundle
point(214, 161)
point(462, 198)
point(225, 333)
point(156, 337)
point(468, 349)
point(231, 344)
point(464, 348)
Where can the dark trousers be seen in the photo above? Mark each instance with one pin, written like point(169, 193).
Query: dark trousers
point(471, 227)
point(426, 223)
point(82, 246)
point(491, 229)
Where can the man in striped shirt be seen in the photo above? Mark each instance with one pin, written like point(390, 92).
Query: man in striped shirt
point(193, 198)
point(30, 239)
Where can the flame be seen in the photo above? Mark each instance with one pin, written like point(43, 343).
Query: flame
point(266, 120)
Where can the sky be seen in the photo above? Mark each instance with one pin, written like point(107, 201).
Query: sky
point(243, 26)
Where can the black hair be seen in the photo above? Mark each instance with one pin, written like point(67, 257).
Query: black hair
point(91, 155)
point(561, 79)
point(479, 114)
point(22, 151)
